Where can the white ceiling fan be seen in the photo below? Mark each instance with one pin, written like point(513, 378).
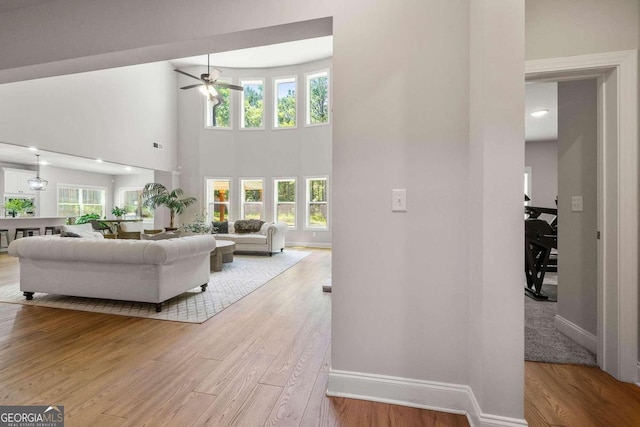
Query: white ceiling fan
point(208, 83)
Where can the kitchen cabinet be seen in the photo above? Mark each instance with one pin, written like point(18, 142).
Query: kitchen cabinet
point(15, 182)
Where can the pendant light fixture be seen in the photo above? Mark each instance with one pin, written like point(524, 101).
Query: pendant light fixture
point(38, 183)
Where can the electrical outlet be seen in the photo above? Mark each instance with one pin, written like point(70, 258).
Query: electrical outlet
point(577, 204)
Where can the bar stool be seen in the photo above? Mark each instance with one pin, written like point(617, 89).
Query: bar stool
point(53, 229)
point(6, 236)
point(26, 231)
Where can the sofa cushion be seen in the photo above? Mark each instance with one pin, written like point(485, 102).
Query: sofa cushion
point(250, 239)
point(220, 227)
point(248, 226)
point(130, 227)
point(160, 236)
point(76, 229)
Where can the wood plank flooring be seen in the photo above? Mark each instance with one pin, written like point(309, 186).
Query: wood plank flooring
point(262, 361)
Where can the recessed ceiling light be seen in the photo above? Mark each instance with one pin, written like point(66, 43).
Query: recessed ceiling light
point(99, 160)
point(33, 149)
point(540, 113)
point(44, 163)
point(128, 168)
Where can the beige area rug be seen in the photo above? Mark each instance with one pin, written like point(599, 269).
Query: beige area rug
point(237, 279)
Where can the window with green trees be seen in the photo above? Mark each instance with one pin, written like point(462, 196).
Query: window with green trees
point(131, 200)
point(317, 98)
point(252, 111)
point(76, 201)
point(285, 200)
point(284, 102)
point(219, 116)
point(317, 203)
point(218, 198)
point(252, 198)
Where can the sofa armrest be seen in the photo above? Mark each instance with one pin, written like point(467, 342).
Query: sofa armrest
point(275, 236)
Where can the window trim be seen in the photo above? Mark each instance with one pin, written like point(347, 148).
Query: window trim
point(276, 80)
point(307, 104)
point(295, 202)
point(242, 202)
point(82, 187)
point(206, 108)
point(241, 103)
point(206, 196)
point(118, 196)
point(306, 204)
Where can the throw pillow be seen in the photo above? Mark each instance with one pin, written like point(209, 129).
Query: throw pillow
point(160, 236)
point(220, 227)
point(245, 226)
point(69, 234)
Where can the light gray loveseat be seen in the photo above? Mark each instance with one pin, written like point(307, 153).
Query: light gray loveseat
point(131, 270)
point(270, 238)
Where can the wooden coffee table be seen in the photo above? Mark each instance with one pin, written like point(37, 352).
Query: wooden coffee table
point(222, 253)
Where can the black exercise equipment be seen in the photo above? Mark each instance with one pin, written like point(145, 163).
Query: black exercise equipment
point(540, 237)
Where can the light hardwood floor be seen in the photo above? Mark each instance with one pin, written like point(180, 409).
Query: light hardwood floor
point(263, 361)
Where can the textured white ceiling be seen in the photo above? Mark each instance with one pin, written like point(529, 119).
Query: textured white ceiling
point(275, 55)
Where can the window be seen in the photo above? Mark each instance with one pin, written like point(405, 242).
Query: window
point(317, 98)
point(76, 201)
point(131, 202)
point(252, 105)
point(317, 203)
point(285, 201)
point(219, 116)
point(284, 90)
point(218, 199)
point(252, 200)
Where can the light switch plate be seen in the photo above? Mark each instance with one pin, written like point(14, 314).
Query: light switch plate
point(577, 204)
point(399, 200)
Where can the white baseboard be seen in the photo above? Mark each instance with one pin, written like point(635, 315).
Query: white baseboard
point(308, 245)
point(443, 397)
point(576, 333)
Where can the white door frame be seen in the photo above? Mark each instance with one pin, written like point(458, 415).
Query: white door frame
point(618, 203)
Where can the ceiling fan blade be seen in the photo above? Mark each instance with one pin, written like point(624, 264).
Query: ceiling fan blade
point(187, 74)
point(192, 86)
point(229, 86)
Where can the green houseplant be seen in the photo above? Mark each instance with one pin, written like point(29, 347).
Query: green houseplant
point(155, 194)
point(118, 212)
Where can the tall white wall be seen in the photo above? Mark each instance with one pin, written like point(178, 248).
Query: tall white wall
point(578, 27)
point(113, 115)
point(267, 154)
point(542, 158)
point(404, 299)
point(577, 165)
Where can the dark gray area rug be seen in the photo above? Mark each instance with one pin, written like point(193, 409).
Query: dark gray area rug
point(543, 342)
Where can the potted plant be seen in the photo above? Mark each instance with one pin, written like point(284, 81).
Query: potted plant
point(118, 212)
point(199, 226)
point(155, 195)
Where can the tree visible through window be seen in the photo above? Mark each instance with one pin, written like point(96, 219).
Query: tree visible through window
point(219, 116)
point(285, 201)
point(252, 191)
point(285, 102)
point(318, 98)
point(76, 201)
point(218, 199)
point(317, 203)
point(252, 104)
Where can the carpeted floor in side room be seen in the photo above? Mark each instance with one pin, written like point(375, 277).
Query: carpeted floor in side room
point(542, 341)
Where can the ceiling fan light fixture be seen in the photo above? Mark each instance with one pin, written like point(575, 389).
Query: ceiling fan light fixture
point(37, 183)
point(208, 90)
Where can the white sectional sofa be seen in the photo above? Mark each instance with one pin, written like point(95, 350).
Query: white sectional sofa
point(131, 270)
point(270, 238)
